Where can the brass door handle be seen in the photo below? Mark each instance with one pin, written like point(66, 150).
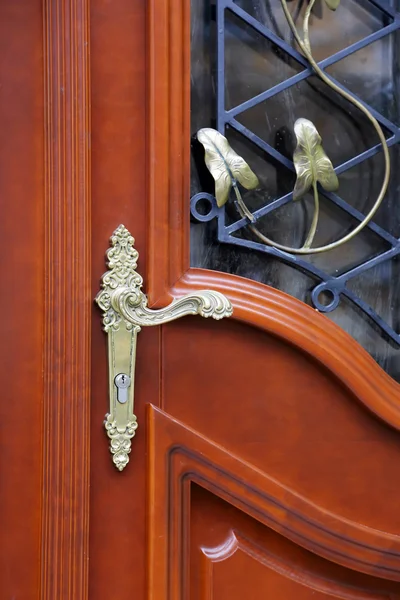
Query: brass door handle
point(125, 312)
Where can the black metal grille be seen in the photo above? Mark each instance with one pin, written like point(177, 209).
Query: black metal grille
point(335, 286)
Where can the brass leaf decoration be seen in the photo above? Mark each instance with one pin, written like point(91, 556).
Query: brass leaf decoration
point(310, 161)
point(224, 164)
point(332, 4)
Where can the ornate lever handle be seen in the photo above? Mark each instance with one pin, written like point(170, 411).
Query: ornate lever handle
point(125, 312)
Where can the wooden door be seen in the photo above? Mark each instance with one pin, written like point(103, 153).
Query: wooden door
point(266, 463)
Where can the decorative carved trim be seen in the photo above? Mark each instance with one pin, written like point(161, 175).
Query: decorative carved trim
point(68, 303)
point(237, 543)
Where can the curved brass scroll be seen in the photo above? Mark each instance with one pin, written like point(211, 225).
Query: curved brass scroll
point(125, 312)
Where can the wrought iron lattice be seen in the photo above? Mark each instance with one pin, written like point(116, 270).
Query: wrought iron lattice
point(335, 286)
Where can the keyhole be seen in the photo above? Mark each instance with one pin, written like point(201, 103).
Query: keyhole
point(123, 378)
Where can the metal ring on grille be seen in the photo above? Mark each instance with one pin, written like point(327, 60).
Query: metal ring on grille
point(213, 210)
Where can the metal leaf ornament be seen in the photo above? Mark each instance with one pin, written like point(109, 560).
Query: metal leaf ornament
point(225, 165)
point(311, 163)
point(332, 4)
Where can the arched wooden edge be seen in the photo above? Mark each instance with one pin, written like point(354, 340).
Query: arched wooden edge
point(173, 464)
point(277, 313)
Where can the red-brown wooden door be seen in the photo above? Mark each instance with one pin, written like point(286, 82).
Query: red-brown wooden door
point(266, 463)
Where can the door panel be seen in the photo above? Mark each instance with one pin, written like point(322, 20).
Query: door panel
point(179, 457)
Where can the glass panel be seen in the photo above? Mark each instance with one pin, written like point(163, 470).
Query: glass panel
point(250, 61)
point(250, 82)
point(329, 32)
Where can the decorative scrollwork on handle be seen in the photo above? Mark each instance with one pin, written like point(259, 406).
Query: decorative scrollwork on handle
point(125, 312)
point(205, 303)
